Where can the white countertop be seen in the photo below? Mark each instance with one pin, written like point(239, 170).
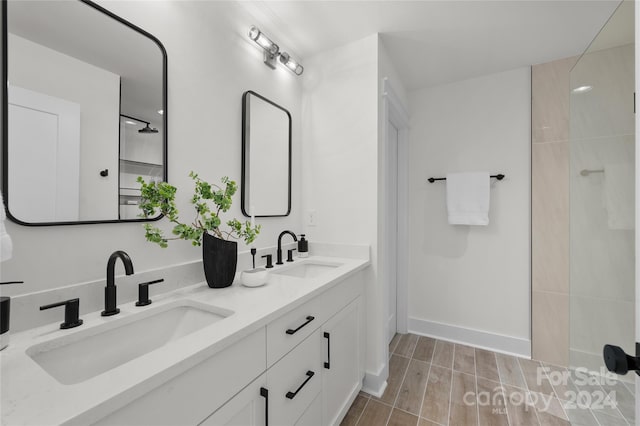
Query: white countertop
point(29, 395)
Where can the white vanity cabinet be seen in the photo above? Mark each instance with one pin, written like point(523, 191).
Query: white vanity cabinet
point(342, 370)
point(302, 368)
point(248, 408)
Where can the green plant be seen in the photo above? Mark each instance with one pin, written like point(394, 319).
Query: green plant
point(160, 196)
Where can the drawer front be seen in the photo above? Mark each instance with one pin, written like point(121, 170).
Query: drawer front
point(190, 397)
point(295, 381)
point(313, 415)
point(284, 333)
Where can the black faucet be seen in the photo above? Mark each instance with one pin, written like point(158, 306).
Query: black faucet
point(110, 289)
point(279, 262)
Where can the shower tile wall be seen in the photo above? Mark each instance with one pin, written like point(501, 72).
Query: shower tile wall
point(550, 211)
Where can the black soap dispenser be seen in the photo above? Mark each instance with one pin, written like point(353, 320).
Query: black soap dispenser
point(5, 315)
point(303, 247)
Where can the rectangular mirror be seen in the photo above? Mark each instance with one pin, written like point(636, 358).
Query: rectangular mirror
point(266, 157)
point(84, 113)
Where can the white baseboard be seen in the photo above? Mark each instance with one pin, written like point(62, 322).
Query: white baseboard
point(376, 383)
point(468, 336)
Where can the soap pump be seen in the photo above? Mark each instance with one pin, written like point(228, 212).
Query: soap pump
point(5, 315)
point(303, 247)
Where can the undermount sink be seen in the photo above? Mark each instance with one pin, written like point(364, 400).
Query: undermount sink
point(308, 269)
point(75, 358)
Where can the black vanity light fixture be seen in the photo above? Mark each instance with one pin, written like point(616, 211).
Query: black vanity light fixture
point(272, 52)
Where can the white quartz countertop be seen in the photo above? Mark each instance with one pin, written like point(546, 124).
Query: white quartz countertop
point(30, 396)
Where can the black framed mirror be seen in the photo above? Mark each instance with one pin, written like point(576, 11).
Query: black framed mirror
point(266, 157)
point(84, 113)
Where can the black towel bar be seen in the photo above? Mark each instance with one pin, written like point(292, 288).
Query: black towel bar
point(432, 179)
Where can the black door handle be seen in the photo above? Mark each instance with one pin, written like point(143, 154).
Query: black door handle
point(327, 364)
point(617, 361)
point(292, 395)
point(265, 394)
point(309, 319)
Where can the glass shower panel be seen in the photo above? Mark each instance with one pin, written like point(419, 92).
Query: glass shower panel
point(602, 188)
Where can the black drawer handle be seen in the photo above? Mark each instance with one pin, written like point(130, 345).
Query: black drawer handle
point(292, 395)
point(265, 394)
point(309, 319)
point(327, 364)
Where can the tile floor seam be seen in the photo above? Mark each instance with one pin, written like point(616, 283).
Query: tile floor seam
point(361, 413)
point(451, 387)
point(502, 386)
point(602, 389)
point(554, 393)
point(404, 377)
point(424, 394)
point(475, 371)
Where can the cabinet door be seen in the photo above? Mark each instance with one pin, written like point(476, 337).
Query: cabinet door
point(248, 408)
point(341, 373)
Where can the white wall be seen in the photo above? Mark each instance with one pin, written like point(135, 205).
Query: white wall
point(340, 157)
point(98, 93)
point(211, 63)
point(471, 284)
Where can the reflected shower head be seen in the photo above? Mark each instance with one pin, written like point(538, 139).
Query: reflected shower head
point(148, 129)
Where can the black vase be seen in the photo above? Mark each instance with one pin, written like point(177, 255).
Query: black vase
point(220, 258)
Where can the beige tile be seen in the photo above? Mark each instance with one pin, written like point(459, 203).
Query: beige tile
point(550, 327)
point(607, 420)
point(550, 217)
point(560, 380)
point(464, 359)
point(443, 354)
point(580, 416)
point(364, 394)
point(397, 367)
point(492, 409)
point(549, 410)
point(435, 406)
point(509, 370)
point(413, 387)
point(355, 411)
point(406, 345)
point(401, 418)
point(425, 422)
point(462, 411)
point(620, 396)
point(535, 376)
point(394, 343)
point(424, 349)
point(375, 414)
point(520, 407)
point(486, 365)
point(550, 100)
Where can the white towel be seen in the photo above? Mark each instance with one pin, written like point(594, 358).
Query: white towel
point(6, 245)
point(619, 199)
point(468, 198)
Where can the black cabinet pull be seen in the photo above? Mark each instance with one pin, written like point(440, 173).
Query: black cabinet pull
point(327, 364)
point(265, 394)
point(292, 395)
point(309, 319)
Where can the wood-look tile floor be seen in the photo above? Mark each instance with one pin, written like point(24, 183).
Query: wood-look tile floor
point(433, 382)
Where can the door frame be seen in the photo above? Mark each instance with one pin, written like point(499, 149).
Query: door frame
point(394, 112)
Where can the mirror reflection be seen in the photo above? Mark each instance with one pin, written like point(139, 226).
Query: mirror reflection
point(266, 157)
point(85, 106)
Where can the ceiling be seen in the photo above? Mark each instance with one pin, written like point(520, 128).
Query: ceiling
point(437, 42)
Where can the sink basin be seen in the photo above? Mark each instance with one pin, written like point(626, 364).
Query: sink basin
point(308, 269)
point(88, 353)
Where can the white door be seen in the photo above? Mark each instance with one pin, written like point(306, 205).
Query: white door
point(44, 149)
point(247, 408)
point(392, 227)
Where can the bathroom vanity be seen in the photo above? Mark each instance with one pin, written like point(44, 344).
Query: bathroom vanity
point(290, 352)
